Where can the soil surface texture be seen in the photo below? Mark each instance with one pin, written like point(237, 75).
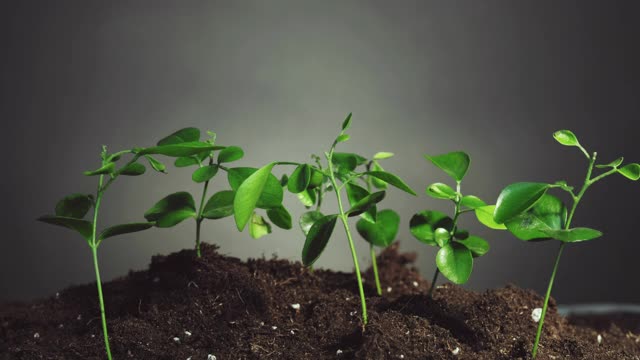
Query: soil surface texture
point(218, 307)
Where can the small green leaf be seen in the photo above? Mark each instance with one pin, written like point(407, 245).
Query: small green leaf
point(272, 193)
point(180, 150)
point(382, 155)
point(573, 235)
point(613, 164)
point(124, 229)
point(377, 183)
point(342, 138)
point(83, 227)
point(517, 198)
point(220, 205)
point(258, 227)
point(365, 203)
point(391, 179)
point(74, 206)
point(308, 219)
point(181, 136)
point(280, 217)
point(345, 162)
point(204, 173)
point(424, 224)
point(347, 122)
point(566, 137)
point(172, 210)
point(472, 202)
point(230, 154)
point(133, 169)
point(441, 191)
point(355, 193)
point(316, 178)
point(442, 237)
point(155, 164)
point(383, 231)
point(249, 192)
point(317, 239)
point(105, 169)
point(455, 163)
point(299, 179)
point(485, 216)
point(455, 262)
point(284, 180)
point(307, 197)
point(191, 160)
point(476, 244)
point(630, 171)
point(548, 213)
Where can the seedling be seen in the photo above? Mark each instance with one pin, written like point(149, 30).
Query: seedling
point(457, 248)
point(311, 183)
point(531, 214)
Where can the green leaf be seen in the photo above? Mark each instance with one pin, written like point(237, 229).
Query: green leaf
point(108, 168)
point(355, 193)
point(220, 205)
point(613, 164)
point(347, 122)
point(250, 191)
point(133, 169)
point(317, 239)
point(517, 198)
point(258, 227)
point(548, 213)
point(442, 237)
point(365, 203)
point(573, 235)
point(124, 229)
point(284, 180)
point(424, 224)
point(83, 227)
point(342, 138)
point(204, 173)
point(172, 210)
point(566, 137)
point(630, 171)
point(382, 155)
point(74, 206)
point(181, 136)
point(180, 150)
point(230, 154)
point(455, 163)
point(191, 160)
point(455, 262)
point(345, 162)
point(461, 234)
point(307, 197)
point(155, 164)
point(476, 244)
point(308, 219)
point(299, 179)
point(377, 183)
point(391, 179)
point(280, 217)
point(441, 191)
point(383, 231)
point(316, 178)
point(472, 202)
point(272, 193)
point(485, 216)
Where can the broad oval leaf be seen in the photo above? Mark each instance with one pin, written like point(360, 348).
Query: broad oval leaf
point(455, 262)
point(365, 203)
point(548, 213)
point(272, 193)
point(441, 191)
point(299, 179)
point(346, 161)
point(566, 138)
point(630, 171)
point(454, 163)
point(250, 191)
point(391, 179)
point(472, 202)
point(316, 179)
point(485, 217)
point(573, 235)
point(317, 239)
point(108, 168)
point(355, 193)
point(517, 198)
point(74, 206)
point(280, 217)
point(124, 229)
point(382, 155)
point(155, 164)
point(172, 210)
point(258, 226)
point(180, 149)
point(230, 154)
point(476, 244)
point(442, 237)
point(133, 169)
point(377, 183)
point(83, 227)
point(347, 122)
point(383, 231)
point(204, 173)
point(219, 205)
point(188, 134)
point(614, 163)
point(424, 224)
point(308, 219)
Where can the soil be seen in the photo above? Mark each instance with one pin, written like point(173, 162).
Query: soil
point(183, 307)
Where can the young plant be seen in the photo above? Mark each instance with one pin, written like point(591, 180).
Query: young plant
point(531, 214)
point(179, 206)
point(310, 183)
point(457, 248)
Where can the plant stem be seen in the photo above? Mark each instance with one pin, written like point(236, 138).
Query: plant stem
point(199, 217)
point(374, 263)
point(433, 282)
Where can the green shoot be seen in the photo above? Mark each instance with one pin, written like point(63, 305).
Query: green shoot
point(530, 213)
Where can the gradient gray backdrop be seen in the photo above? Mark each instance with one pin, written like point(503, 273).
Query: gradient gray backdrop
point(277, 77)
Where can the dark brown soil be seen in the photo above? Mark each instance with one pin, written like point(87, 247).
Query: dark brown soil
point(187, 308)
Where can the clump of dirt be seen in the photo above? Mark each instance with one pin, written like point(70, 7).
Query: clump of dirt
point(184, 307)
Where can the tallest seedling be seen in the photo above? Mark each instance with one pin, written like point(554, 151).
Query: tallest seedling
point(530, 213)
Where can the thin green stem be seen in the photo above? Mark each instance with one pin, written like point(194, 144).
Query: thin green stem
point(117, 173)
point(433, 283)
point(374, 263)
point(200, 210)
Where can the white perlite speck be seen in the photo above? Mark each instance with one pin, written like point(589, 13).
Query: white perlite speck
point(292, 332)
point(295, 306)
point(599, 338)
point(79, 317)
point(536, 314)
point(401, 356)
point(455, 351)
point(339, 352)
point(176, 339)
point(274, 328)
point(389, 289)
point(36, 336)
point(415, 284)
point(211, 357)
point(188, 333)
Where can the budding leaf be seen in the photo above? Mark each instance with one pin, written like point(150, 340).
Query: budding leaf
point(630, 171)
point(566, 137)
point(382, 155)
point(105, 169)
point(613, 164)
point(347, 122)
point(155, 164)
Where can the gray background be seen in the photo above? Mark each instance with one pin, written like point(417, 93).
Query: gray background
point(277, 77)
